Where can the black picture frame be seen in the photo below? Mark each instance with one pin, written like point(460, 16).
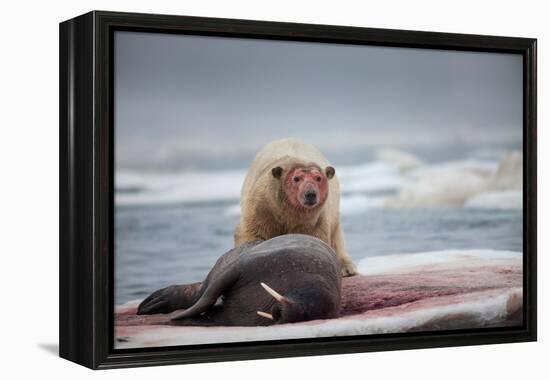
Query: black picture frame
point(87, 187)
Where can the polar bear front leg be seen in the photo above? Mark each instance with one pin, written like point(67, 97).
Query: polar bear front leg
point(346, 263)
point(348, 266)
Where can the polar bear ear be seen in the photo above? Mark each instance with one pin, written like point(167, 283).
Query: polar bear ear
point(329, 171)
point(277, 172)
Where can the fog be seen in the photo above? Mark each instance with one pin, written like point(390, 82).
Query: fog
point(185, 101)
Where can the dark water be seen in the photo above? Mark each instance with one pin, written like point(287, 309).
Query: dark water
point(157, 246)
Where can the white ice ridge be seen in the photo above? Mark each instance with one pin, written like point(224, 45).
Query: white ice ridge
point(409, 262)
point(472, 182)
point(475, 182)
point(497, 200)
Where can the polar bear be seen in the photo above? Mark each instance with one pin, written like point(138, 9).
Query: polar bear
point(290, 187)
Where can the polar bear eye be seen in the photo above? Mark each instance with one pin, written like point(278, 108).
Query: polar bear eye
point(318, 178)
point(296, 179)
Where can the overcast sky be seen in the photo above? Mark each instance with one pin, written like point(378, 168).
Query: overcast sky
point(178, 96)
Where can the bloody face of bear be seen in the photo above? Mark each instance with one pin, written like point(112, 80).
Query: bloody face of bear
point(305, 187)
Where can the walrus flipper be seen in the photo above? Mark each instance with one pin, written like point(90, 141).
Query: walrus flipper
point(171, 298)
point(213, 291)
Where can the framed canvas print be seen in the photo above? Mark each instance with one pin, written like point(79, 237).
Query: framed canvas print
point(235, 189)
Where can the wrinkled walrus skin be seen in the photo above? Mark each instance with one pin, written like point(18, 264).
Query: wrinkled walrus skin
point(301, 281)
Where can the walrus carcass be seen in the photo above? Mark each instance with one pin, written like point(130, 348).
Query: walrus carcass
point(290, 278)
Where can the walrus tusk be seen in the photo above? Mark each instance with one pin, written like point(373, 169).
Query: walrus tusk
point(265, 315)
point(272, 292)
